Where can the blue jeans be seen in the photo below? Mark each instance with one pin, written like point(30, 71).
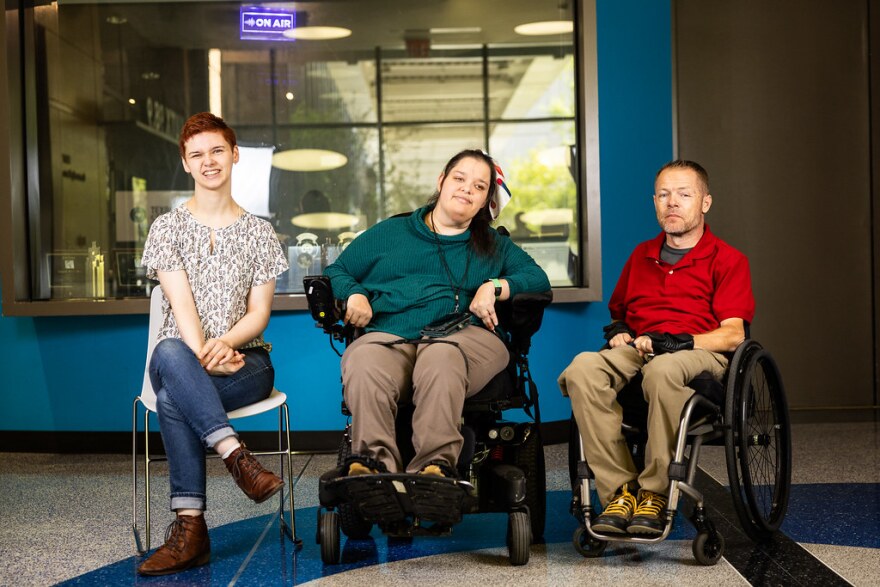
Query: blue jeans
point(192, 408)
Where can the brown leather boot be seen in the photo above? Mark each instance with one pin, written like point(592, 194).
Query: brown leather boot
point(186, 546)
point(256, 482)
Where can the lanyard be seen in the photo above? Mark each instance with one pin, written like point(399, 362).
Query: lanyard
point(456, 286)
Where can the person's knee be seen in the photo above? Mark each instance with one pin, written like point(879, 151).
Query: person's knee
point(584, 363)
point(440, 361)
point(581, 369)
point(662, 374)
point(362, 364)
point(365, 380)
point(169, 351)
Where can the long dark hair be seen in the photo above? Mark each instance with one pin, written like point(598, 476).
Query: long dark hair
point(482, 241)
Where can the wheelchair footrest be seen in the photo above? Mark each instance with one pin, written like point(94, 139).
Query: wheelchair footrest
point(391, 497)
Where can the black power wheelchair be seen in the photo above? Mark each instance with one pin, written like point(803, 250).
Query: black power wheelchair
point(748, 413)
point(500, 468)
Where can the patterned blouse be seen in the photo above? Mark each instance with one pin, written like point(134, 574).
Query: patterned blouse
point(246, 254)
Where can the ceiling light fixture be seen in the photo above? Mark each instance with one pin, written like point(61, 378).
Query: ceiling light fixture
point(545, 27)
point(317, 33)
point(460, 30)
point(324, 220)
point(308, 160)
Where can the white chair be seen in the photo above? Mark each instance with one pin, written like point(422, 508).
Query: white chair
point(147, 398)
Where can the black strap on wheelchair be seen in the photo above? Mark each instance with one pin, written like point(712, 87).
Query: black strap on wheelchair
point(528, 389)
point(389, 343)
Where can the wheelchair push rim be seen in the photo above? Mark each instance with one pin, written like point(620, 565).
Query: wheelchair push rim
point(757, 441)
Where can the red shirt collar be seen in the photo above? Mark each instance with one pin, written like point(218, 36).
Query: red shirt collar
point(704, 247)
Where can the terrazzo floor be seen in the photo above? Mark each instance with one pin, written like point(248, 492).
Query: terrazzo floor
point(67, 519)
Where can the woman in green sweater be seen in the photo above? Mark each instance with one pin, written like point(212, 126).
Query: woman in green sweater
point(406, 272)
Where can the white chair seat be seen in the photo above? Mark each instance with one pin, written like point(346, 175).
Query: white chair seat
point(275, 399)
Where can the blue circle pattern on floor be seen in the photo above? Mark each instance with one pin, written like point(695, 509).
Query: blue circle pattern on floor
point(273, 561)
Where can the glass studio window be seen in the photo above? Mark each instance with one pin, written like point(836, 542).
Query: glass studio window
point(345, 113)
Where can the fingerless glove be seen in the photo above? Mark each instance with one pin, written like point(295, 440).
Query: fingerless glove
point(670, 343)
point(616, 328)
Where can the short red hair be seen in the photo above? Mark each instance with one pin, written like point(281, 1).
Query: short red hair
point(204, 122)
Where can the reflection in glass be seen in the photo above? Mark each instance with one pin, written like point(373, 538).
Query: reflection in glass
point(542, 215)
point(411, 85)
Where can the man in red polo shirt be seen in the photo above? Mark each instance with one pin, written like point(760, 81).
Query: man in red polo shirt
point(683, 298)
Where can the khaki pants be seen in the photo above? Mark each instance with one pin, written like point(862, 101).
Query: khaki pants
point(592, 381)
point(434, 377)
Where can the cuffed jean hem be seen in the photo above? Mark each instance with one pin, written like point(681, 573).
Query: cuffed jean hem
point(217, 435)
point(187, 502)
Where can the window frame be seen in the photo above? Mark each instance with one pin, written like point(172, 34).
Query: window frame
point(19, 182)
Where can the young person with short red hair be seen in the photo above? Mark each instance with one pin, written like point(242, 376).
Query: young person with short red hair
point(217, 265)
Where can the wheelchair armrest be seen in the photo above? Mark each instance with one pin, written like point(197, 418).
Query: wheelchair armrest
point(325, 309)
point(521, 316)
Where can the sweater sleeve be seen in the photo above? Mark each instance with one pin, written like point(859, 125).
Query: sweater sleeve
point(523, 275)
point(352, 264)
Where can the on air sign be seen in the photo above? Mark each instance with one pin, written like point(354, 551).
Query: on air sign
point(266, 25)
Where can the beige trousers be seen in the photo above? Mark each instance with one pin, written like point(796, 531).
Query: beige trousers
point(593, 380)
point(435, 377)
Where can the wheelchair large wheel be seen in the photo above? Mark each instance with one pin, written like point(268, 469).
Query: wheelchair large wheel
point(328, 536)
point(352, 523)
point(530, 458)
point(757, 441)
point(519, 539)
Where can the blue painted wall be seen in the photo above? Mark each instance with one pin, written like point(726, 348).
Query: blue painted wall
point(82, 373)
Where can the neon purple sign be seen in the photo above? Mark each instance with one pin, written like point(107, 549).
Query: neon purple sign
point(266, 24)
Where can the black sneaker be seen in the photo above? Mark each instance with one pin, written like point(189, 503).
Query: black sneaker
point(618, 512)
point(650, 514)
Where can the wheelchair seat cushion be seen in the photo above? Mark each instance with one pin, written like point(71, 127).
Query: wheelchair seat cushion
point(501, 387)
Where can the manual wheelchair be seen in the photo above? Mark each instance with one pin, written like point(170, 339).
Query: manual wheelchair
point(747, 412)
point(501, 465)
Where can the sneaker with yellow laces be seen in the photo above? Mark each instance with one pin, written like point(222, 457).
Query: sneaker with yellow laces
point(432, 470)
point(650, 514)
point(356, 468)
point(618, 512)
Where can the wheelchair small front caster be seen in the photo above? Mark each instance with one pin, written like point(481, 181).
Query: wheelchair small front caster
point(586, 545)
point(708, 547)
point(519, 537)
point(328, 536)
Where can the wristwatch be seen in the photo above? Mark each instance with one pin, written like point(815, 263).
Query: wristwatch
point(497, 283)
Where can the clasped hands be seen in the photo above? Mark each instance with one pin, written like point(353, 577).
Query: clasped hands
point(650, 343)
point(218, 358)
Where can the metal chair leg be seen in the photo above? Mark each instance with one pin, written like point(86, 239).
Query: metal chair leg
point(147, 462)
point(292, 528)
point(134, 483)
